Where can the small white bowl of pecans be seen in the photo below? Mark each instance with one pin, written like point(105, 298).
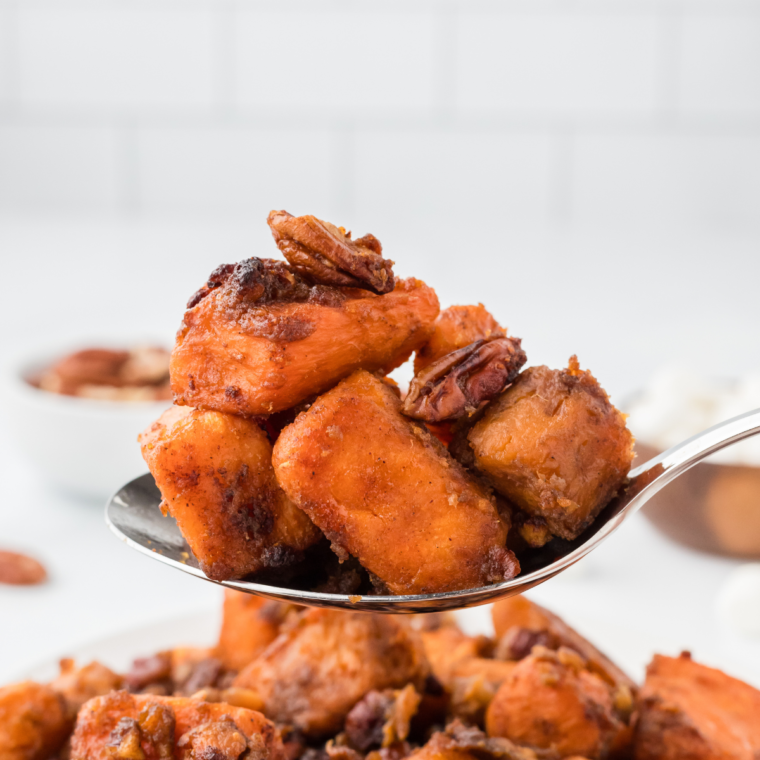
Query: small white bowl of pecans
point(76, 415)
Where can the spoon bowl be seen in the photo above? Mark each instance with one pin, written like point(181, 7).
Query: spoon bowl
point(133, 514)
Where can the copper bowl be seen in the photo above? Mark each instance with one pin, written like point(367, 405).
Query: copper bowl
point(713, 507)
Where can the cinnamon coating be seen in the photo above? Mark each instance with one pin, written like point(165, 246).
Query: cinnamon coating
point(554, 445)
point(319, 667)
point(259, 339)
point(520, 624)
point(215, 476)
point(324, 253)
point(249, 624)
point(688, 710)
point(147, 727)
point(551, 700)
point(458, 383)
point(34, 721)
point(371, 478)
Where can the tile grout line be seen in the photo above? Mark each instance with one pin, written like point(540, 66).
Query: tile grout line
point(561, 179)
point(225, 58)
point(10, 51)
point(128, 168)
point(445, 61)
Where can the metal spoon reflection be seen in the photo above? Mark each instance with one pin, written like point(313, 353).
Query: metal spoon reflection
point(133, 514)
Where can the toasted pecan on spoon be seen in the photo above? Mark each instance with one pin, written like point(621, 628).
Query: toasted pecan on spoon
point(326, 254)
point(458, 383)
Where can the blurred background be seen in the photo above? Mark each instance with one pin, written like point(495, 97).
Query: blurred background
point(588, 169)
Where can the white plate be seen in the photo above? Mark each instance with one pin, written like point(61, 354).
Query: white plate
point(629, 649)
point(117, 652)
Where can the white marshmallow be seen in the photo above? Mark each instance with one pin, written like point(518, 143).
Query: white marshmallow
point(739, 601)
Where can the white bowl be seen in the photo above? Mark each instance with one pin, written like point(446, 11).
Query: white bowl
point(83, 446)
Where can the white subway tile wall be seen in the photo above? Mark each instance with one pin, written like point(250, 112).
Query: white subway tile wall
point(559, 114)
point(57, 166)
point(336, 62)
point(115, 58)
point(721, 64)
point(560, 63)
point(233, 170)
point(668, 177)
point(6, 54)
point(430, 174)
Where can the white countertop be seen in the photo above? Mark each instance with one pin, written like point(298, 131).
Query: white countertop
point(133, 279)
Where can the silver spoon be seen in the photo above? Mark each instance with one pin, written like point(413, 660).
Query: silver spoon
point(133, 515)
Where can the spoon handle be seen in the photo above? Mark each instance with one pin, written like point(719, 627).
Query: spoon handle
point(661, 470)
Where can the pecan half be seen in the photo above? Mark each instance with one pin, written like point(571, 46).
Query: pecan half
point(458, 383)
point(326, 254)
point(20, 570)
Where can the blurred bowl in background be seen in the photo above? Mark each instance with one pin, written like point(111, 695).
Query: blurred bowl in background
point(83, 446)
point(712, 507)
point(715, 506)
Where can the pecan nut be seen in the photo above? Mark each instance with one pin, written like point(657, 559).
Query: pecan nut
point(457, 384)
point(325, 254)
point(20, 570)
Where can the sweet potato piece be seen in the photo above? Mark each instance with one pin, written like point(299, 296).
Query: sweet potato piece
point(215, 476)
point(554, 445)
point(473, 684)
point(372, 479)
point(551, 700)
point(321, 666)
point(249, 624)
point(78, 685)
point(262, 339)
point(461, 742)
point(34, 722)
point(688, 710)
point(463, 665)
point(521, 624)
point(447, 646)
point(104, 720)
point(457, 327)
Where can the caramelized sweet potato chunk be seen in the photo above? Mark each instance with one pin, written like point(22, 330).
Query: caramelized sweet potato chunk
point(372, 479)
point(249, 624)
point(688, 710)
point(215, 476)
point(473, 685)
point(260, 339)
point(551, 701)
point(554, 445)
point(461, 742)
point(455, 328)
point(462, 664)
point(321, 666)
point(34, 722)
point(147, 727)
point(521, 624)
point(447, 646)
point(78, 685)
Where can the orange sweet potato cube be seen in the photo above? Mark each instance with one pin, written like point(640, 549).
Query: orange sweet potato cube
point(215, 475)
